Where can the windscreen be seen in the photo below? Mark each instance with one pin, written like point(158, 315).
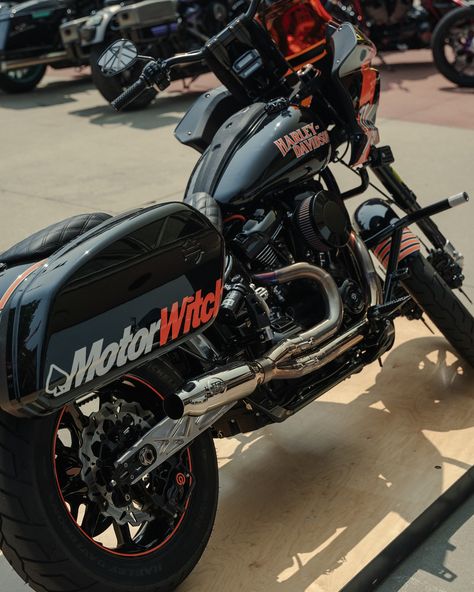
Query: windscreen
point(298, 27)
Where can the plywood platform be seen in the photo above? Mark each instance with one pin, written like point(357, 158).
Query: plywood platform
point(308, 504)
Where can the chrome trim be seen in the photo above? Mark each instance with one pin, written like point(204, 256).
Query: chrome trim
point(48, 58)
point(373, 284)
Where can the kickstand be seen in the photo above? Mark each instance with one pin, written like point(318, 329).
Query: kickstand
point(426, 325)
point(465, 295)
point(389, 67)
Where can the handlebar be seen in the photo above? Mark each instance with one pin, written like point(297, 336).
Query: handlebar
point(147, 80)
point(130, 94)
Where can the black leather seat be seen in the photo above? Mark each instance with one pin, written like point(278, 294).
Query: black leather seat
point(45, 242)
point(207, 205)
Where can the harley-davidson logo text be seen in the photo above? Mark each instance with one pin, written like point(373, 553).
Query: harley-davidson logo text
point(303, 140)
point(100, 358)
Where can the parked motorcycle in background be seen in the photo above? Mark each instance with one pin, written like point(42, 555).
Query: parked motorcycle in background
point(158, 28)
point(453, 46)
point(30, 40)
point(447, 27)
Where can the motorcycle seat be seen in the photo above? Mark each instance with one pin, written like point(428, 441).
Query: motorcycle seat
point(45, 242)
point(207, 205)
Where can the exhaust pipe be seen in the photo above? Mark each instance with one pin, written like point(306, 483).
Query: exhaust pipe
point(291, 358)
point(48, 58)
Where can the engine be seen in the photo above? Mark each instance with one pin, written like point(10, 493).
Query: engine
point(313, 227)
point(293, 321)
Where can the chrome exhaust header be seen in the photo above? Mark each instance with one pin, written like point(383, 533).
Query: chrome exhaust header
point(204, 400)
point(291, 358)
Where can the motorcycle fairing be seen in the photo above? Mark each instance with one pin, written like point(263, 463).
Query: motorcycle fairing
point(123, 293)
point(257, 150)
point(357, 88)
point(205, 117)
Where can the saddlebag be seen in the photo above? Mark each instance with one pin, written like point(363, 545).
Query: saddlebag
point(117, 296)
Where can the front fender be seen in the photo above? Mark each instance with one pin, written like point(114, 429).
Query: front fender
point(374, 215)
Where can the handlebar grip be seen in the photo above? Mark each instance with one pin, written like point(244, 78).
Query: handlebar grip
point(130, 94)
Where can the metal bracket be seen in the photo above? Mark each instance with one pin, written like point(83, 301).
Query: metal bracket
point(162, 441)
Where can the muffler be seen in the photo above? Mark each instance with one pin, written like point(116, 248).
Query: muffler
point(291, 358)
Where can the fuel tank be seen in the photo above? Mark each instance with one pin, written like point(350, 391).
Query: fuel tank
point(261, 148)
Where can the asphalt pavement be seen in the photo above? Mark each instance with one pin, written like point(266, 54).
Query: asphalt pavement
point(63, 151)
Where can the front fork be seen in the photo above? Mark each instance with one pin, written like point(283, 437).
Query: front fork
point(447, 261)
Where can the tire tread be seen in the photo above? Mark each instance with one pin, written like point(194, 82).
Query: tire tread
point(442, 306)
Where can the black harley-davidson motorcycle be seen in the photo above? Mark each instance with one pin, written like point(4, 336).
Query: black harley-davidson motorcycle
point(127, 343)
point(30, 40)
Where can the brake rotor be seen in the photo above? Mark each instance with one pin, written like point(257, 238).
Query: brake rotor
point(109, 432)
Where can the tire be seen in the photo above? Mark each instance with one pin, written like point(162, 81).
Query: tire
point(441, 305)
point(439, 43)
point(111, 88)
point(39, 534)
point(24, 80)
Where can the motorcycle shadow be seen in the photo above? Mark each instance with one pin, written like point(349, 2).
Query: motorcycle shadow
point(53, 92)
point(458, 90)
point(314, 499)
point(401, 75)
point(167, 109)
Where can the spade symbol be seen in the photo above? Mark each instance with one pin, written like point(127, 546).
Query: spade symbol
point(60, 379)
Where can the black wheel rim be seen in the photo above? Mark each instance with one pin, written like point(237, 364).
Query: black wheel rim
point(25, 75)
point(172, 484)
point(459, 46)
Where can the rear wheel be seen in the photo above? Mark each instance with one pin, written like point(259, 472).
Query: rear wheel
point(453, 46)
point(441, 305)
point(65, 528)
point(111, 88)
point(22, 80)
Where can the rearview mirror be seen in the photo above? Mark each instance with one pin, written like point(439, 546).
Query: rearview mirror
point(118, 56)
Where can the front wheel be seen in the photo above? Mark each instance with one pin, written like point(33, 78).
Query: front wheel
point(441, 305)
point(64, 527)
point(22, 80)
point(453, 46)
point(111, 88)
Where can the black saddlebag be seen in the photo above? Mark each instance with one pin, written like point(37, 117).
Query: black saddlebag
point(119, 295)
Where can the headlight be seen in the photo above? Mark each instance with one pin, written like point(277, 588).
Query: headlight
point(95, 20)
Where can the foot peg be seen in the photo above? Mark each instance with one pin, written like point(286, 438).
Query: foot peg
point(387, 310)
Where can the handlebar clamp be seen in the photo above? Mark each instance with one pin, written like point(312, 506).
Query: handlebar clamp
point(156, 72)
